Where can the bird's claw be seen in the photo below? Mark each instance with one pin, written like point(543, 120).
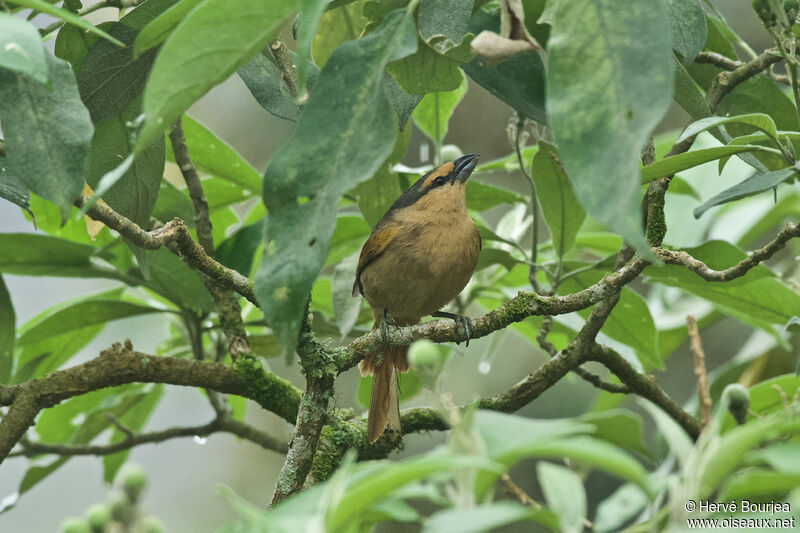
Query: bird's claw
point(462, 322)
point(383, 326)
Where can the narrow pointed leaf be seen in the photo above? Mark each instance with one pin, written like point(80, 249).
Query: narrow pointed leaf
point(755, 184)
point(759, 121)
point(66, 16)
point(680, 162)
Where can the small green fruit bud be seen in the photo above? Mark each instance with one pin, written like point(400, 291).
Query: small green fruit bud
point(424, 357)
point(122, 510)
point(75, 525)
point(737, 398)
point(151, 524)
point(98, 516)
point(451, 152)
point(134, 481)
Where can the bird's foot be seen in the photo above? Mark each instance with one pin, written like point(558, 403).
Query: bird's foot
point(383, 326)
point(462, 323)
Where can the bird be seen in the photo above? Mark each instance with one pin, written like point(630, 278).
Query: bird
point(418, 257)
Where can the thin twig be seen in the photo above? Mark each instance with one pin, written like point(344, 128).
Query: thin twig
point(790, 231)
point(700, 370)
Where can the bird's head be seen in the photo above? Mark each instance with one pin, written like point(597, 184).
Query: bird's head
point(442, 188)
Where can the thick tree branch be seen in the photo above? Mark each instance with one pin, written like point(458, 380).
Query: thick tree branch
point(120, 364)
point(174, 231)
point(718, 60)
point(741, 268)
point(224, 424)
point(311, 417)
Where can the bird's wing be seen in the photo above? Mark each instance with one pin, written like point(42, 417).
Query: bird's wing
point(373, 248)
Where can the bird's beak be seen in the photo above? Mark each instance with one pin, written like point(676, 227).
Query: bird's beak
point(463, 167)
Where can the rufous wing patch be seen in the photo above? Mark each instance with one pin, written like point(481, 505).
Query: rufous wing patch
point(375, 245)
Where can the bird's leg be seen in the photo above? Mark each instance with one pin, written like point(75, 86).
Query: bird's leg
point(383, 325)
point(461, 322)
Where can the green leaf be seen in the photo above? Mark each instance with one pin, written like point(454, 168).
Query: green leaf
point(759, 483)
point(735, 444)
point(688, 25)
point(433, 112)
point(172, 202)
point(623, 505)
point(309, 19)
point(562, 212)
point(609, 84)
point(351, 232)
point(765, 399)
point(13, 190)
point(345, 307)
point(443, 25)
point(218, 45)
point(519, 82)
point(482, 196)
point(426, 71)
point(47, 133)
point(110, 78)
point(565, 495)
point(8, 322)
point(391, 476)
point(677, 163)
point(485, 517)
point(213, 155)
point(328, 154)
point(238, 250)
point(80, 315)
point(66, 16)
point(620, 427)
point(21, 48)
point(688, 94)
point(678, 440)
point(26, 254)
point(760, 121)
point(267, 86)
point(72, 45)
point(173, 279)
point(265, 345)
point(134, 419)
point(157, 30)
point(128, 183)
point(755, 184)
point(336, 26)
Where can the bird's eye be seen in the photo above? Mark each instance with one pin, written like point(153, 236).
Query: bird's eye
point(438, 182)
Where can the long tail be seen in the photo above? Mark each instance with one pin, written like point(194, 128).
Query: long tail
point(384, 404)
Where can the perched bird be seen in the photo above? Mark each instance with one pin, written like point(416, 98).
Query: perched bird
point(419, 256)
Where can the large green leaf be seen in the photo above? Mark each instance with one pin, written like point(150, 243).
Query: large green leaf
point(8, 320)
point(609, 84)
point(110, 78)
point(562, 212)
point(336, 26)
point(328, 154)
point(688, 25)
point(157, 30)
point(21, 48)
point(47, 133)
point(135, 179)
point(217, 46)
point(66, 16)
point(433, 112)
point(173, 279)
point(485, 517)
point(13, 190)
point(211, 154)
point(426, 71)
point(238, 250)
point(755, 184)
